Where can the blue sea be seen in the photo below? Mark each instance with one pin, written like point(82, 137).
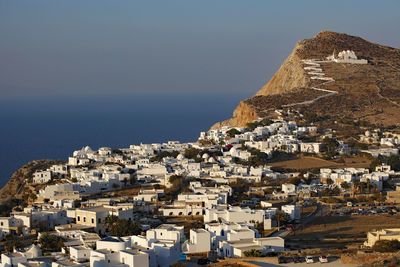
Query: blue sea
point(53, 127)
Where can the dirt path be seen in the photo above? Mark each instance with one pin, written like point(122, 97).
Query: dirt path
point(386, 98)
point(317, 74)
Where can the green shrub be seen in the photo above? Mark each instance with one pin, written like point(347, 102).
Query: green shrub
point(386, 246)
point(252, 253)
point(51, 242)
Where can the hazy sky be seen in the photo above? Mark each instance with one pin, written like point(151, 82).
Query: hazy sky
point(78, 47)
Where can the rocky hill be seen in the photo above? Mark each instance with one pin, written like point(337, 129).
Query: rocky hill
point(369, 92)
point(15, 187)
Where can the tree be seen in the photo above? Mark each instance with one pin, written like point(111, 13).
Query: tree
point(117, 151)
point(12, 242)
point(51, 242)
point(259, 227)
point(330, 192)
point(179, 184)
point(266, 122)
point(331, 146)
point(329, 181)
point(386, 246)
point(191, 153)
point(232, 132)
point(33, 196)
point(132, 179)
point(110, 223)
point(310, 116)
point(164, 154)
point(345, 185)
point(77, 203)
point(125, 181)
point(368, 185)
point(394, 162)
point(252, 253)
point(280, 216)
point(251, 125)
point(240, 188)
point(122, 227)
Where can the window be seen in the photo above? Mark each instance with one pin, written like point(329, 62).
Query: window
point(99, 220)
point(84, 219)
point(92, 220)
point(79, 218)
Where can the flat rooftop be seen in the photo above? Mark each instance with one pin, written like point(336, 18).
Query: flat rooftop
point(95, 209)
point(199, 230)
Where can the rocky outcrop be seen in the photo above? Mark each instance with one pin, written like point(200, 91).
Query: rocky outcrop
point(242, 115)
point(15, 187)
point(370, 92)
point(290, 75)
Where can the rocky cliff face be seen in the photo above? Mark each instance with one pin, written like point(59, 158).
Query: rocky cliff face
point(243, 114)
point(370, 92)
point(289, 76)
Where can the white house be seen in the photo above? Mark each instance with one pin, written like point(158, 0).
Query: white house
point(12, 225)
point(149, 195)
point(41, 177)
point(18, 258)
point(200, 241)
point(127, 257)
point(292, 211)
point(167, 232)
point(310, 147)
point(289, 188)
point(163, 244)
point(237, 248)
point(95, 216)
point(219, 232)
point(79, 253)
point(234, 214)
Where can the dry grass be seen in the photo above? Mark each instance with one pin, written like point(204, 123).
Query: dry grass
point(312, 162)
point(305, 211)
point(335, 231)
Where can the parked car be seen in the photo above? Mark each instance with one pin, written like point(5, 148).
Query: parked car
point(282, 259)
point(309, 259)
point(296, 258)
point(323, 259)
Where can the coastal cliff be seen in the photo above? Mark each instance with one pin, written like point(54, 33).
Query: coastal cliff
point(370, 91)
point(17, 185)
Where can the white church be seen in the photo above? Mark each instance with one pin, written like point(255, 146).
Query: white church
point(346, 56)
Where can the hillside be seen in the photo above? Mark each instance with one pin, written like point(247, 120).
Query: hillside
point(369, 92)
point(16, 186)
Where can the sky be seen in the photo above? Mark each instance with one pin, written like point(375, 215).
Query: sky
point(99, 47)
